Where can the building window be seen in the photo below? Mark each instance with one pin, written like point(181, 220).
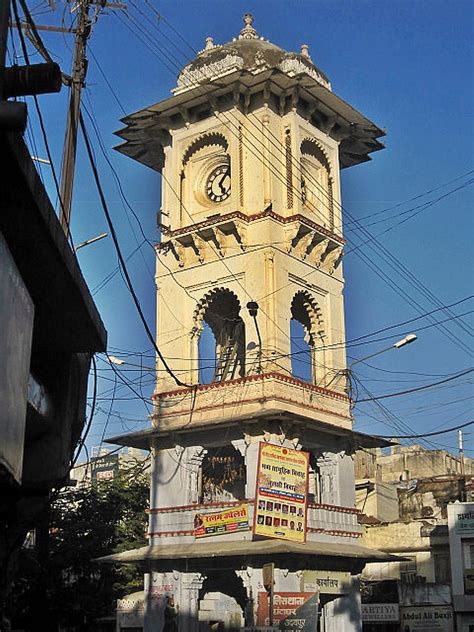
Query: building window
point(442, 568)
point(408, 570)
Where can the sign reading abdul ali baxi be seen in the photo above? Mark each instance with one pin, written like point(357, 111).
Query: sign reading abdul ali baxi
point(281, 494)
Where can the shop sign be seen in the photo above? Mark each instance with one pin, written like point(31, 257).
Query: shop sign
point(374, 612)
point(464, 521)
point(221, 522)
point(426, 619)
point(326, 582)
point(281, 494)
point(292, 611)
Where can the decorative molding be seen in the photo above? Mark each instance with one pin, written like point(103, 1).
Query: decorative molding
point(289, 169)
point(241, 167)
point(222, 219)
point(204, 140)
point(192, 77)
point(294, 66)
point(254, 378)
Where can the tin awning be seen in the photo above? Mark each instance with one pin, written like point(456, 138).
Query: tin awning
point(237, 554)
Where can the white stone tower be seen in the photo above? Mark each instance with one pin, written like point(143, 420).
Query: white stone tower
point(250, 148)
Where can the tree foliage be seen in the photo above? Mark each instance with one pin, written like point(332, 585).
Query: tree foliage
point(84, 524)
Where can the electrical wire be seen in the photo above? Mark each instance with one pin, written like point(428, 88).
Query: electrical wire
point(430, 434)
point(416, 389)
point(390, 282)
point(120, 255)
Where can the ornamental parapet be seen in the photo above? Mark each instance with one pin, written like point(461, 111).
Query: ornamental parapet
point(244, 398)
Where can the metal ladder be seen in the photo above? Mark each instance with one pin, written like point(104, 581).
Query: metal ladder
point(227, 361)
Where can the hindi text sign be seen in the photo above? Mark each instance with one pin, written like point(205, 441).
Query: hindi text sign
point(281, 494)
point(220, 522)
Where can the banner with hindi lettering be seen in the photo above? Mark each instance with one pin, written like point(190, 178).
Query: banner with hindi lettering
point(282, 493)
point(292, 611)
point(221, 522)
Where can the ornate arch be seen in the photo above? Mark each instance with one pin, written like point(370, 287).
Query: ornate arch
point(305, 309)
point(311, 147)
point(211, 138)
point(205, 303)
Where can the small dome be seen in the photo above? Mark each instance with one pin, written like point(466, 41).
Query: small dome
point(246, 52)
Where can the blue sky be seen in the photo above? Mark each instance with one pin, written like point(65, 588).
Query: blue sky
point(408, 66)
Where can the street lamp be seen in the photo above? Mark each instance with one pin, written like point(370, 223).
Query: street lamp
point(90, 241)
point(397, 345)
point(114, 360)
point(252, 306)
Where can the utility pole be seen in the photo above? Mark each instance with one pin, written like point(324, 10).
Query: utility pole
point(461, 452)
point(78, 76)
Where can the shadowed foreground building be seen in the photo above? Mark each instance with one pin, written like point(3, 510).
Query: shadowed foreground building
point(250, 147)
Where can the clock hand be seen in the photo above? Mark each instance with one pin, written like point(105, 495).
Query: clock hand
point(226, 173)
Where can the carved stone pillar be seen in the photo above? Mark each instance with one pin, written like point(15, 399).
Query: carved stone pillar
point(190, 585)
point(250, 453)
point(194, 458)
point(328, 464)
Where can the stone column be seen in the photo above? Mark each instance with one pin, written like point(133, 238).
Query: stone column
point(329, 477)
point(249, 451)
point(190, 585)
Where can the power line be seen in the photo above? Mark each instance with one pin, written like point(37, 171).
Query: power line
point(429, 434)
point(119, 253)
point(418, 388)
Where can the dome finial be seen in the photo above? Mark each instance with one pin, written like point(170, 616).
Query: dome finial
point(305, 51)
point(248, 32)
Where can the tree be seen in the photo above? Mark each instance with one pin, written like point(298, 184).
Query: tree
point(65, 584)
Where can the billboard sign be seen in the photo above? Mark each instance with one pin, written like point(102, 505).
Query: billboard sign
point(281, 494)
point(426, 618)
point(221, 522)
point(380, 612)
point(291, 611)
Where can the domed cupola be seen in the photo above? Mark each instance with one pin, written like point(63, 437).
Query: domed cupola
point(248, 52)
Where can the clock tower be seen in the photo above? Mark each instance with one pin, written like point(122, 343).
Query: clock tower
point(250, 318)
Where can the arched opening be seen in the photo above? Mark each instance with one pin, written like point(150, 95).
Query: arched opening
point(224, 330)
point(304, 328)
point(222, 602)
point(300, 352)
point(206, 355)
point(222, 476)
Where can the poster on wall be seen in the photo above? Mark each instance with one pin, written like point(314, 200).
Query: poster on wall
point(291, 611)
point(221, 522)
point(281, 494)
point(426, 619)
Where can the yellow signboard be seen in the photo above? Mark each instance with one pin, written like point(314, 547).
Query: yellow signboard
point(281, 494)
point(220, 522)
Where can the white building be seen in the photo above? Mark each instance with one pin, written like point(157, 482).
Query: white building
point(461, 544)
point(250, 147)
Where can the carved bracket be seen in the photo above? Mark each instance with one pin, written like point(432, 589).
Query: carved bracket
point(332, 259)
point(317, 250)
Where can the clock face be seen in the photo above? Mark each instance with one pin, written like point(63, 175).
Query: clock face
point(218, 184)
